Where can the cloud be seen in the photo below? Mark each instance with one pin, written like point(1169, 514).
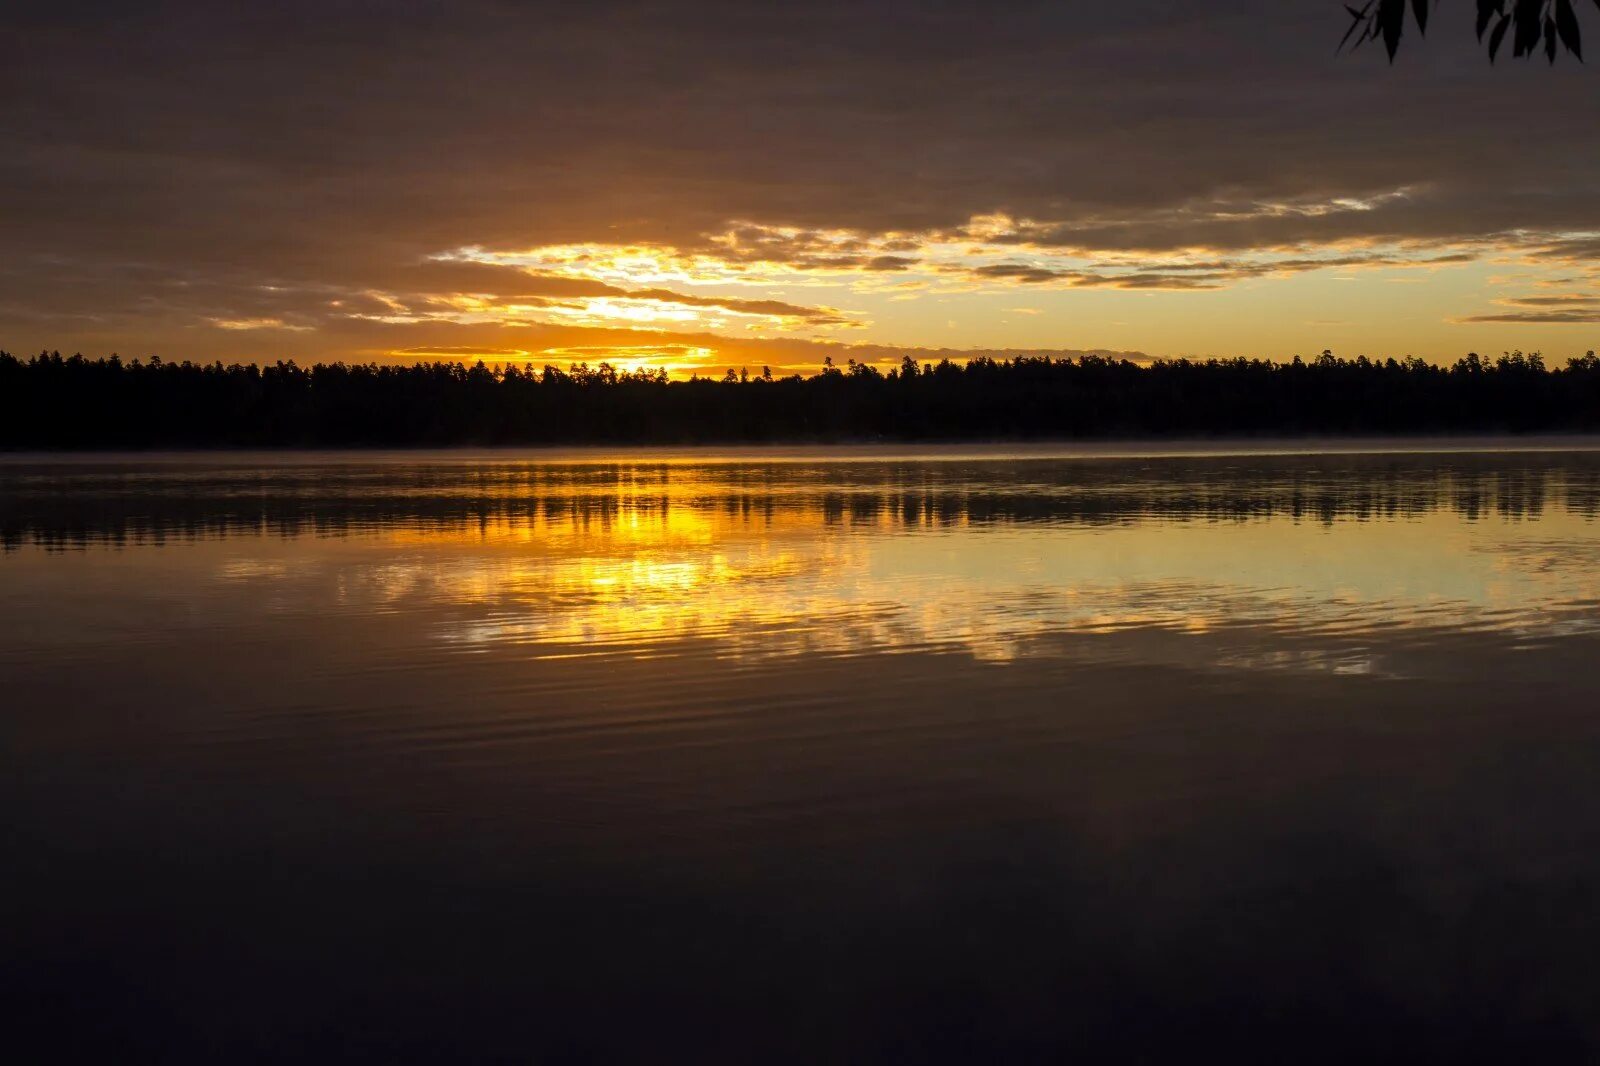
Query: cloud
point(771, 308)
point(1569, 250)
point(1028, 275)
point(461, 351)
point(1566, 300)
point(1539, 317)
point(1545, 309)
point(1197, 274)
point(255, 323)
point(307, 162)
point(1078, 279)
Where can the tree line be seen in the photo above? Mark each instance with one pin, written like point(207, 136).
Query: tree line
point(50, 402)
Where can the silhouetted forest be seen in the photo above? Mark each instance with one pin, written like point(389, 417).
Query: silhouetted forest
point(54, 402)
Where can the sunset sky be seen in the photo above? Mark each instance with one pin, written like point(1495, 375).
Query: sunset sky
point(704, 185)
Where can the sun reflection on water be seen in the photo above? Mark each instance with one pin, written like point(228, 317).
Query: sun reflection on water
point(1267, 563)
point(641, 574)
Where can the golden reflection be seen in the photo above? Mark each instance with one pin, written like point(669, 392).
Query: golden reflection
point(651, 563)
point(1268, 562)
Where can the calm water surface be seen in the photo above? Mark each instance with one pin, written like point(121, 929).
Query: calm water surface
point(801, 756)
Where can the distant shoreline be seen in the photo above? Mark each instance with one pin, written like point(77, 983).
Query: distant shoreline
point(844, 451)
point(54, 404)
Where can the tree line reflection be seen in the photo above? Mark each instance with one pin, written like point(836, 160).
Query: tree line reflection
point(66, 507)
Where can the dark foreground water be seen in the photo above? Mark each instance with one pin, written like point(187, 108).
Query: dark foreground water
point(775, 757)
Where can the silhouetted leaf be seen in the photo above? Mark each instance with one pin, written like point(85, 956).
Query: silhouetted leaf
point(1357, 19)
point(1488, 9)
point(1392, 22)
point(1526, 16)
point(1498, 35)
point(1567, 27)
point(1528, 22)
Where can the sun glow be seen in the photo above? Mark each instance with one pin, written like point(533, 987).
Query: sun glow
point(625, 265)
point(956, 290)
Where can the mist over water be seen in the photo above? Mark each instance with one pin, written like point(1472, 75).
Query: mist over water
point(801, 755)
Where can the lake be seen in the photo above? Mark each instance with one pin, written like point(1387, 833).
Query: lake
point(802, 755)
